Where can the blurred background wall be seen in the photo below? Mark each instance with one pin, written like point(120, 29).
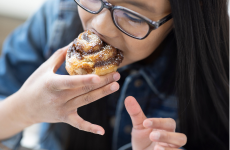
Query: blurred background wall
point(7, 24)
point(13, 13)
point(19, 8)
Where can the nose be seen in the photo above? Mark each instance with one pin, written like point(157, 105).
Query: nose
point(103, 23)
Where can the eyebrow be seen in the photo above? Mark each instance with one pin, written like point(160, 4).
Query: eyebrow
point(139, 4)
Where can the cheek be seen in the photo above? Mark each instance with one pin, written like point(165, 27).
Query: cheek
point(140, 49)
point(85, 17)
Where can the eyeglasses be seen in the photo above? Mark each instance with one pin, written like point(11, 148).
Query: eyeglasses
point(129, 22)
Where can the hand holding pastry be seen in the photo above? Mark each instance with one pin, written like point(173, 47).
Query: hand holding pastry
point(49, 97)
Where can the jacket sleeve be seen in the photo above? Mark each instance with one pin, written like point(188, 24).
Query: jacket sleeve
point(23, 52)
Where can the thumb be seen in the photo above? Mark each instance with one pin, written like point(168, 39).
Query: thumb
point(57, 59)
point(135, 112)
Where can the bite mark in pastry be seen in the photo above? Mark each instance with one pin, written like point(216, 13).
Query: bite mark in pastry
point(90, 55)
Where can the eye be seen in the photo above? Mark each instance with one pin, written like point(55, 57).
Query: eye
point(134, 19)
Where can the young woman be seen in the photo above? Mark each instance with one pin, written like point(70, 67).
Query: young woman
point(175, 68)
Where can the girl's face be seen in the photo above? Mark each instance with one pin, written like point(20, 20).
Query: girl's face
point(133, 49)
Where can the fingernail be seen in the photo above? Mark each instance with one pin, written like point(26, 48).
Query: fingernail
point(99, 132)
point(116, 76)
point(95, 80)
point(156, 135)
point(113, 87)
point(148, 123)
point(159, 148)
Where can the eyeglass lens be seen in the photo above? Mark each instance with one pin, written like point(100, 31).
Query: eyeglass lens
point(124, 20)
point(90, 5)
point(130, 23)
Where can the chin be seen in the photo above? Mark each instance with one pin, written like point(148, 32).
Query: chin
point(125, 63)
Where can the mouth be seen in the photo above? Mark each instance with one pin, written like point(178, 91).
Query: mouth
point(102, 37)
point(98, 34)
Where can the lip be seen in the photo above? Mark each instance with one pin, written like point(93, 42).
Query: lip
point(98, 34)
point(101, 36)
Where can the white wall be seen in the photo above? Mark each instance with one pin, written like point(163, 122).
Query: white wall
point(19, 8)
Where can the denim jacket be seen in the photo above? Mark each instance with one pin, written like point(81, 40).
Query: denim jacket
point(52, 28)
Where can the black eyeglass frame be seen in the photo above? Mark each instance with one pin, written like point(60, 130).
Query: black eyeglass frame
point(153, 25)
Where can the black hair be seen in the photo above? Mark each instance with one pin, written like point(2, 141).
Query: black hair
point(202, 75)
point(201, 29)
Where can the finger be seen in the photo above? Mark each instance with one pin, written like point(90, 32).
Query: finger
point(76, 121)
point(167, 124)
point(91, 96)
point(104, 80)
point(135, 112)
point(69, 94)
point(177, 139)
point(84, 83)
point(57, 59)
point(62, 82)
point(158, 147)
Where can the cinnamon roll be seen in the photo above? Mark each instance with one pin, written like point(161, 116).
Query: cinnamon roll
point(90, 55)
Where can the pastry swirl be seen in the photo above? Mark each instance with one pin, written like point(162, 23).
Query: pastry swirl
point(90, 55)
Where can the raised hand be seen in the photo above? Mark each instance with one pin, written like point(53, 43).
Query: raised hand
point(152, 133)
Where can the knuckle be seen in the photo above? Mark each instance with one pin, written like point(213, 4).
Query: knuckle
point(107, 80)
point(87, 127)
point(88, 99)
point(165, 136)
point(87, 89)
point(159, 122)
point(79, 125)
point(91, 129)
point(104, 91)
